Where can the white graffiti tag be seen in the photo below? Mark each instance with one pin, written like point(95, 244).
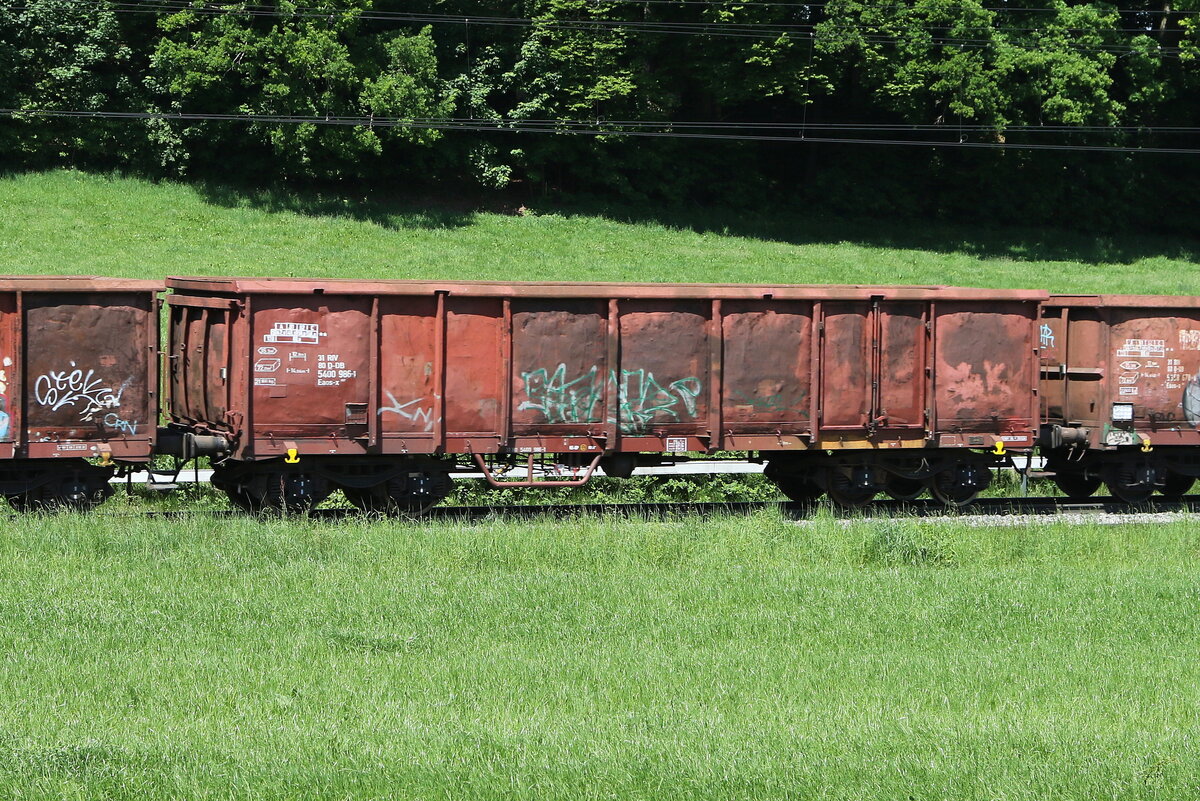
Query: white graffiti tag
point(406, 410)
point(74, 387)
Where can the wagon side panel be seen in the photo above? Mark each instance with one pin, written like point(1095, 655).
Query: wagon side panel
point(559, 366)
point(985, 369)
point(10, 364)
point(1154, 362)
point(309, 362)
point(410, 372)
point(90, 378)
point(767, 367)
point(475, 372)
point(846, 367)
point(662, 383)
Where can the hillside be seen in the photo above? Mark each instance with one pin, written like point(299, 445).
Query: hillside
point(70, 222)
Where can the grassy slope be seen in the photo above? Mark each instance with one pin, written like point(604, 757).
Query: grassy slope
point(71, 223)
point(721, 659)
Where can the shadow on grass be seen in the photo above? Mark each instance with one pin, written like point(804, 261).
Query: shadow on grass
point(436, 208)
point(392, 213)
point(800, 227)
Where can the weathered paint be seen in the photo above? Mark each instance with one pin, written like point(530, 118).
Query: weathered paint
point(984, 364)
point(426, 367)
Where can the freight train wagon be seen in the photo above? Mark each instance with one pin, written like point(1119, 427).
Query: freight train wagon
point(78, 382)
point(381, 388)
point(1121, 393)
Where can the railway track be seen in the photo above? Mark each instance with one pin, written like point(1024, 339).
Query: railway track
point(921, 508)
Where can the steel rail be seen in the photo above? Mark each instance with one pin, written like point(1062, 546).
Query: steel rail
point(921, 508)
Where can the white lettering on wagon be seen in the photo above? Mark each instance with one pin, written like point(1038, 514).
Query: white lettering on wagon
point(1143, 349)
point(294, 333)
point(332, 370)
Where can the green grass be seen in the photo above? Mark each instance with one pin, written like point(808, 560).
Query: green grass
point(70, 223)
point(722, 659)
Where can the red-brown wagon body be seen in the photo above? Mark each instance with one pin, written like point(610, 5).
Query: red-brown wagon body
point(1121, 392)
point(404, 368)
point(78, 379)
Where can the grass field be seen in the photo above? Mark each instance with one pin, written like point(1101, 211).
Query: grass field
point(736, 658)
point(725, 659)
point(63, 222)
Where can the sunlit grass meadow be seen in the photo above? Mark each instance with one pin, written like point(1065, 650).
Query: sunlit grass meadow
point(593, 658)
point(72, 223)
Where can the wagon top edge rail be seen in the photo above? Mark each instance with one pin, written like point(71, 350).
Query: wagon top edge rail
point(288, 286)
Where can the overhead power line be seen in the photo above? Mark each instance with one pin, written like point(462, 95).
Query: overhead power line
point(735, 30)
point(579, 128)
point(908, 6)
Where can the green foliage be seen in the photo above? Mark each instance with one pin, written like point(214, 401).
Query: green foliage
point(300, 66)
point(62, 55)
point(974, 73)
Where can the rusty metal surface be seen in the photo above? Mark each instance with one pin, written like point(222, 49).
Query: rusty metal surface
point(424, 367)
point(985, 368)
point(768, 370)
point(76, 283)
point(1129, 301)
point(78, 367)
point(1143, 351)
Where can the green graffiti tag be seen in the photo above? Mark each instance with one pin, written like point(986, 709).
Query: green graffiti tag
point(641, 399)
point(560, 400)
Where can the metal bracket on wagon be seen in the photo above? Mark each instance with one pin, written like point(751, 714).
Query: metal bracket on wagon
point(530, 470)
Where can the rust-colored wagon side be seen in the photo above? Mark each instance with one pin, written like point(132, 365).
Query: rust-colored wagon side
point(78, 381)
point(379, 387)
point(1121, 393)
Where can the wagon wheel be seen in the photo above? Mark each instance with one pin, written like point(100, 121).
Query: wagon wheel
point(20, 503)
point(283, 492)
point(375, 500)
point(1077, 486)
point(1132, 484)
point(799, 489)
point(392, 498)
point(241, 500)
point(845, 494)
point(367, 500)
point(1176, 485)
point(295, 493)
point(946, 487)
point(903, 489)
point(66, 493)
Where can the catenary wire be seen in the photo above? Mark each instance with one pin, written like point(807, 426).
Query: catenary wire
point(478, 126)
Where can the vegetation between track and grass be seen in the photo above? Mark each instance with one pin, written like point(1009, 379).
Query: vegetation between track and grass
point(592, 658)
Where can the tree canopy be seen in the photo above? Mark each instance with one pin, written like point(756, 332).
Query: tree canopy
point(1030, 109)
